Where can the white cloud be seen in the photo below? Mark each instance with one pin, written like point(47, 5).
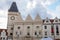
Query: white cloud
point(58, 8)
point(46, 3)
point(25, 6)
point(3, 18)
point(31, 5)
point(53, 14)
point(3, 13)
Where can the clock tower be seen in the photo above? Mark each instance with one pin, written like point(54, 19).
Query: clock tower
point(13, 16)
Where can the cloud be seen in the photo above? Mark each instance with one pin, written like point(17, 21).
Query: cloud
point(52, 14)
point(3, 14)
point(3, 23)
point(58, 8)
point(55, 13)
point(3, 19)
point(46, 3)
point(31, 5)
point(26, 7)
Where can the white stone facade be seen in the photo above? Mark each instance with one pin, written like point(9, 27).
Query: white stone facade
point(29, 29)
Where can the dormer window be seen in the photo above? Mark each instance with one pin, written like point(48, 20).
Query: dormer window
point(47, 21)
point(56, 20)
point(35, 33)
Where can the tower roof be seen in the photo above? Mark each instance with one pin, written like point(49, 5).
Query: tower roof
point(29, 18)
point(13, 7)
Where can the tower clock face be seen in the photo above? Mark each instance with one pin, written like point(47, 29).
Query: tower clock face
point(12, 18)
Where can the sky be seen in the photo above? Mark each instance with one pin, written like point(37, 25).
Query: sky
point(45, 8)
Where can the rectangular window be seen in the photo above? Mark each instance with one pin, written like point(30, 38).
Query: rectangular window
point(45, 33)
point(11, 34)
point(45, 27)
point(57, 30)
point(52, 30)
point(28, 33)
point(11, 28)
point(35, 33)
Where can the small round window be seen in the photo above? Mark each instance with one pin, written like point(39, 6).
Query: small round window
point(12, 18)
point(18, 27)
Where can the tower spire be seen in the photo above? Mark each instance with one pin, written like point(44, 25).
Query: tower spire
point(13, 7)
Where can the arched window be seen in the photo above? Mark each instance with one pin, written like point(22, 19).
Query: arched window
point(28, 27)
point(35, 33)
point(18, 27)
point(28, 33)
point(11, 28)
point(56, 20)
point(11, 33)
point(37, 26)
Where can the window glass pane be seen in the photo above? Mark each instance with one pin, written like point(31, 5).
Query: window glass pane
point(56, 20)
point(11, 34)
point(37, 26)
point(57, 30)
point(52, 30)
point(35, 33)
point(18, 27)
point(28, 33)
point(47, 21)
point(11, 28)
point(45, 33)
point(45, 27)
point(28, 27)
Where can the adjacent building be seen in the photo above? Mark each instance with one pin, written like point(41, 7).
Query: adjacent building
point(3, 34)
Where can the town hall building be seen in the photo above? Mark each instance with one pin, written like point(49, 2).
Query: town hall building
point(29, 29)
